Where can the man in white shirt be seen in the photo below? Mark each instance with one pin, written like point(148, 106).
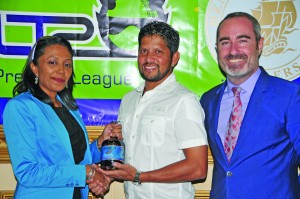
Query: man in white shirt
point(162, 125)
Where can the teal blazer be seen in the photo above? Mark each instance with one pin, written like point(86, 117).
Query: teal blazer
point(41, 152)
point(265, 161)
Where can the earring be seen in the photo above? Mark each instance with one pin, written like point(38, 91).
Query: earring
point(36, 80)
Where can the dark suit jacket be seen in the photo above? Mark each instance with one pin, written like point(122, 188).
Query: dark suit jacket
point(265, 161)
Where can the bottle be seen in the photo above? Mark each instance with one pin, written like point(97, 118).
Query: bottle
point(112, 150)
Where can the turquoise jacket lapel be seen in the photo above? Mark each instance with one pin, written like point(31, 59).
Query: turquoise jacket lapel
point(58, 127)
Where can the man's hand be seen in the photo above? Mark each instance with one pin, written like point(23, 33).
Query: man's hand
point(113, 129)
point(123, 172)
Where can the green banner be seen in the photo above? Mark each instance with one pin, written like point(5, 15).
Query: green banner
point(105, 65)
point(104, 33)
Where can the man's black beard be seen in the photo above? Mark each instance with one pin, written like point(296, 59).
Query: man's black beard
point(158, 77)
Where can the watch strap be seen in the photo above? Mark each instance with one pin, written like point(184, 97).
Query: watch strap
point(136, 179)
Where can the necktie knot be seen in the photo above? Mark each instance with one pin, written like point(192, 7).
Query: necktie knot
point(236, 91)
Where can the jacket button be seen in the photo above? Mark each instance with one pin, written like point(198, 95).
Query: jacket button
point(229, 174)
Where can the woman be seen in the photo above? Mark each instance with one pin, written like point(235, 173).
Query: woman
point(47, 140)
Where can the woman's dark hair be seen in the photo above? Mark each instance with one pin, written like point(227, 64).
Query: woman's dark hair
point(28, 77)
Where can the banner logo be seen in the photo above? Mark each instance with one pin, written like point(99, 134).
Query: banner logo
point(280, 27)
point(79, 29)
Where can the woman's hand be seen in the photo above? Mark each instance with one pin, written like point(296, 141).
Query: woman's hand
point(98, 183)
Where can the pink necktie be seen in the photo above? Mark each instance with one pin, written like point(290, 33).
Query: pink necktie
point(234, 124)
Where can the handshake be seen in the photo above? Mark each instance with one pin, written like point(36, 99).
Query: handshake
point(99, 178)
point(98, 183)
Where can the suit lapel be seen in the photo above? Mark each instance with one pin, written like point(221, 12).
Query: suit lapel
point(251, 114)
point(216, 103)
point(58, 127)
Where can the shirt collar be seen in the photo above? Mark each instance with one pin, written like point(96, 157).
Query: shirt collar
point(246, 86)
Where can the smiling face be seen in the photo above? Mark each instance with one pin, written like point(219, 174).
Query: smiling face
point(54, 69)
point(155, 61)
point(237, 49)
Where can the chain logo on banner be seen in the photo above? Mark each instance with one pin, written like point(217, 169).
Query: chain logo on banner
point(280, 27)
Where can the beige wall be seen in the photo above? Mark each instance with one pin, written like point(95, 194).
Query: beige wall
point(7, 180)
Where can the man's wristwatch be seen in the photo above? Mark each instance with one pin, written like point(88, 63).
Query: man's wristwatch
point(136, 179)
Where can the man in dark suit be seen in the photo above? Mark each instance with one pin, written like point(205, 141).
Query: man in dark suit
point(256, 147)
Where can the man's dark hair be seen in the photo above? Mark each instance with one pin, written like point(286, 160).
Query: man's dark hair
point(255, 23)
point(165, 31)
